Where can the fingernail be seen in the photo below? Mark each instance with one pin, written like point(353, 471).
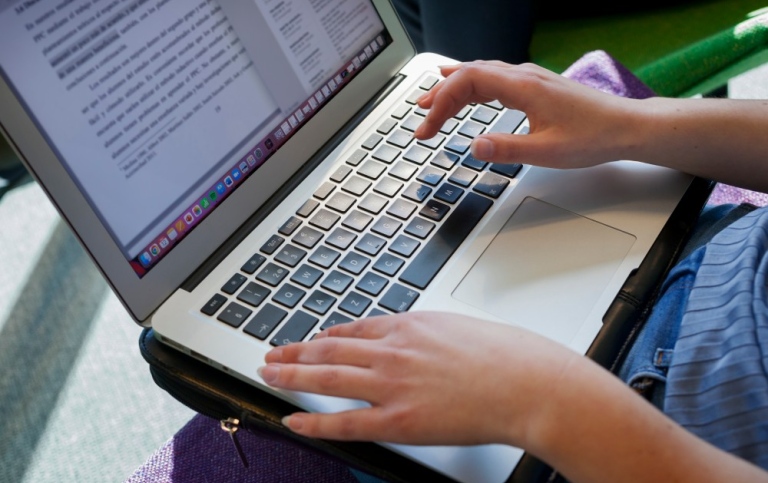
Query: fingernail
point(482, 148)
point(292, 423)
point(268, 373)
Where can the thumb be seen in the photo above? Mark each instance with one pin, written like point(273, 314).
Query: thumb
point(502, 148)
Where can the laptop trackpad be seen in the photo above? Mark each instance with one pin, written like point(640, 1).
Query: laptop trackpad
point(545, 269)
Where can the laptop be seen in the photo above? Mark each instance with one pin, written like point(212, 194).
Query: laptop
point(244, 175)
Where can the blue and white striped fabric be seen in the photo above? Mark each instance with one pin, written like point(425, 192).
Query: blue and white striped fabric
point(717, 384)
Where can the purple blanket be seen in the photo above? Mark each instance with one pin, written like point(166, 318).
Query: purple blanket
point(201, 451)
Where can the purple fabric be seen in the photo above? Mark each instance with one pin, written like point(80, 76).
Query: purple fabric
point(201, 451)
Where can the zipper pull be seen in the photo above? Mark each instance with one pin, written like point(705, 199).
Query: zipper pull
point(231, 426)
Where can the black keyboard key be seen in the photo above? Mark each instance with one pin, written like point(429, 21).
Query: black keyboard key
point(253, 264)
point(401, 209)
point(403, 170)
point(372, 284)
point(386, 154)
point(473, 163)
point(412, 123)
point(386, 126)
point(400, 138)
point(370, 244)
point(372, 141)
point(290, 255)
point(471, 129)
point(388, 187)
point(371, 169)
point(307, 208)
point(324, 219)
point(307, 237)
point(414, 96)
point(508, 122)
point(319, 302)
point(272, 274)
point(388, 264)
point(324, 190)
point(420, 228)
point(446, 240)
point(417, 154)
point(401, 111)
point(491, 184)
point(341, 174)
point(417, 192)
point(458, 144)
point(449, 126)
point(356, 185)
point(431, 175)
point(234, 314)
point(375, 312)
point(265, 322)
point(356, 158)
point(508, 170)
point(272, 244)
point(254, 294)
point(233, 283)
point(306, 276)
point(463, 113)
point(340, 202)
point(484, 115)
point(324, 257)
point(289, 226)
point(462, 177)
point(386, 226)
point(213, 305)
point(357, 221)
point(354, 263)
point(445, 160)
point(399, 298)
point(428, 83)
point(288, 295)
point(434, 210)
point(297, 327)
point(433, 142)
point(449, 193)
point(341, 238)
point(337, 282)
point(494, 105)
point(335, 319)
point(355, 304)
point(373, 204)
point(404, 245)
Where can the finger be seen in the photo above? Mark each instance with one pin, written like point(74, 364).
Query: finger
point(475, 82)
point(355, 425)
point(326, 350)
point(368, 328)
point(506, 148)
point(330, 380)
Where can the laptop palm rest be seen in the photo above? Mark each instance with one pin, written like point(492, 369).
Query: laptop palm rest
point(546, 264)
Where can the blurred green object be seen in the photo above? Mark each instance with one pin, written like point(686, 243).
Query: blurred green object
point(678, 51)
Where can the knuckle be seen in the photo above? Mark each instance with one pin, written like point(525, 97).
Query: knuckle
point(328, 378)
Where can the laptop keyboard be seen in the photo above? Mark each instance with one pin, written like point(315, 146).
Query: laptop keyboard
point(376, 233)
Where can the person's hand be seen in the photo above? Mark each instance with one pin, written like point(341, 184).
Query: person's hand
point(431, 378)
point(571, 125)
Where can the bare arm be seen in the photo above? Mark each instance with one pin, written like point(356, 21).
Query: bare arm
point(435, 378)
point(576, 126)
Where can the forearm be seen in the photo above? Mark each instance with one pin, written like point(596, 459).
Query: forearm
point(596, 429)
point(720, 139)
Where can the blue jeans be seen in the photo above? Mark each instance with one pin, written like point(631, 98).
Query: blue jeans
point(645, 367)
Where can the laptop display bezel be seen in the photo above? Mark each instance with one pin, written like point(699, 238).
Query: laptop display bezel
point(142, 296)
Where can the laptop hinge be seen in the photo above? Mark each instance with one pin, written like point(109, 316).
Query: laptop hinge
point(246, 228)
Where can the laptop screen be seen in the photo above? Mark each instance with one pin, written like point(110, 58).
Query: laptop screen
point(160, 109)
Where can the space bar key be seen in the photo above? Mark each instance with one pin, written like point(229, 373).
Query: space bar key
point(445, 241)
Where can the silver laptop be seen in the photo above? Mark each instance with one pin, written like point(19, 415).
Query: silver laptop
point(244, 174)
